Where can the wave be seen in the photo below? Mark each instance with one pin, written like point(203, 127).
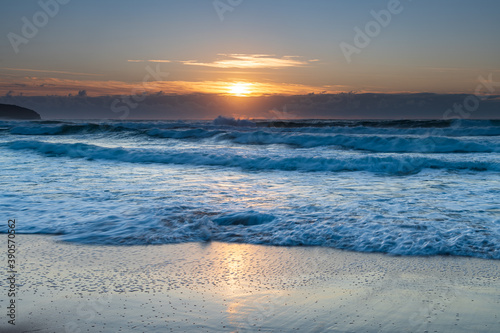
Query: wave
point(367, 234)
point(225, 121)
point(429, 144)
point(66, 128)
point(362, 130)
point(355, 123)
point(373, 143)
point(379, 163)
point(423, 143)
point(403, 127)
point(402, 124)
point(244, 218)
point(197, 133)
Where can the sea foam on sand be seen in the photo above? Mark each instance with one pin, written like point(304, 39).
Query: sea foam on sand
point(219, 287)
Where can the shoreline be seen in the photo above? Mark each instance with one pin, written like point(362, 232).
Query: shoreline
point(213, 287)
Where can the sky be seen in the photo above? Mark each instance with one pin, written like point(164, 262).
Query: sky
point(247, 48)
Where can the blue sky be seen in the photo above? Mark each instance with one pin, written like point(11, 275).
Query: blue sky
point(272, 46)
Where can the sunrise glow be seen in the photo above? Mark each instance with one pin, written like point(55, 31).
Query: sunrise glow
point(240, 89)
point(215, 64)
point(250, 165)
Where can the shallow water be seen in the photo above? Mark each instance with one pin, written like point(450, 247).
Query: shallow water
point(406, 188)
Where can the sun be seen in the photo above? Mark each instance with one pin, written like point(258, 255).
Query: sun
point(239, 89)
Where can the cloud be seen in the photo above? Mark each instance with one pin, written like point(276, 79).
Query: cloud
point(209, 106)
point(48, 71)
point(251, 61)
point(161, 61)
point(244, 61)
point(36, 86)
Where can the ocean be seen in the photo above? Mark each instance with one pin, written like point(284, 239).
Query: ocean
point(403, 187)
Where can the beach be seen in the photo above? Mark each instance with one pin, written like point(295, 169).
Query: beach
point(250, 166)
point(241, 226)
point(221, 287)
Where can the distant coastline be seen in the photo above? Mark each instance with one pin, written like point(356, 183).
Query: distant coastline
point(14, 112)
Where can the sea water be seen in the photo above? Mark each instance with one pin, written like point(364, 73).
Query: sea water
point(399, 187)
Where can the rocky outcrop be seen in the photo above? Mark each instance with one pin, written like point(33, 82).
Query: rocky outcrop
point(9, 111)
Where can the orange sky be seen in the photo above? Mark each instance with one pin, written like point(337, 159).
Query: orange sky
point(254, 48)
point(242, 78)
point(40, 86)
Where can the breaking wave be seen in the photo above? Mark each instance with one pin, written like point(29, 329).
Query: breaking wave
point(383, 163)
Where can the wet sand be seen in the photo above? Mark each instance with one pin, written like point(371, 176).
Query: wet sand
point(214, 287)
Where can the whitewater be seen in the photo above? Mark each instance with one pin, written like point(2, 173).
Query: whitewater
point(403, 187)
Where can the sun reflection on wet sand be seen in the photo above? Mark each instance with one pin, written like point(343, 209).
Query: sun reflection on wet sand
point(220, 287)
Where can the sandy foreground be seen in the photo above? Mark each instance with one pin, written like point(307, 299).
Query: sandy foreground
point(214, 287)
